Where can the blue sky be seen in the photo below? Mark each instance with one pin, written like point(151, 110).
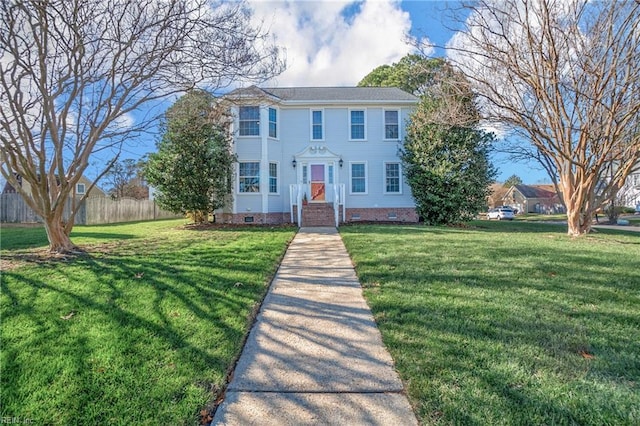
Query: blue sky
point(337, 42)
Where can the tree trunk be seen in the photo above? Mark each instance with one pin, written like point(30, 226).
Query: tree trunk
point(59, 241)
point(578, 222)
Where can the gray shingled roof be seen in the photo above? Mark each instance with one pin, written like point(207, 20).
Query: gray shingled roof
point(330, 94)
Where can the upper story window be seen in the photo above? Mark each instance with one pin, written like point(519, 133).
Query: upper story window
point(80, 188)
point(249, 121)
point(273, 123)
point(317, 125)
point(357, 124)
point(391, 125)
point(249, 176)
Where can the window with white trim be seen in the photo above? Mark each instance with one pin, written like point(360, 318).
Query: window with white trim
point(249, 124)
point(392, 178)
point(305, 178)
point(357, 124)
point(273, 178)
point(249, 176)
point(80, 188)
point(317, 125)
point(391, 125)
point(358, 178)
point(273, 123)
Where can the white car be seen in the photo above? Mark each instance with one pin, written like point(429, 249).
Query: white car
point(500, 213)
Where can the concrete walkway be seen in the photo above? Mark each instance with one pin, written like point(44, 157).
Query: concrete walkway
point(315, 355)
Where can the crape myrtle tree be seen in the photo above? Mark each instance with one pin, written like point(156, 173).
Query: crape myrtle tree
point(563, 75)
point(72, 72)
point(192, 169)
point(446, 154)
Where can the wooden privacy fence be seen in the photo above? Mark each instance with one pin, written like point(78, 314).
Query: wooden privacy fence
point(94, 211)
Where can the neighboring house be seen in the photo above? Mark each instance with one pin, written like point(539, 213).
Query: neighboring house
point(80, 189)
point(335, 147)
point(497, 193)
point(629, 194)
point(534, 199)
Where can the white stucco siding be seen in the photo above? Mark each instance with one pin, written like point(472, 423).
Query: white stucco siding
point(248, 149)
point(246, 203)
point(295, 125)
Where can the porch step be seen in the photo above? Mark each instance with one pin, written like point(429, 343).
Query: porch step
point(318, 214)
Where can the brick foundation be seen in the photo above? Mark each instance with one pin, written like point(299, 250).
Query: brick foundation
point(255, 218)
point(400, 214)
point(386, 214)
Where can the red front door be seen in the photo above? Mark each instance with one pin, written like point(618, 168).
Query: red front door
point(317, 182)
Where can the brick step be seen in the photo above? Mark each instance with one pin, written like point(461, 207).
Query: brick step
point(318, 214)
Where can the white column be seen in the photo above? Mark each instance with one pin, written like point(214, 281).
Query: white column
point(264, 159)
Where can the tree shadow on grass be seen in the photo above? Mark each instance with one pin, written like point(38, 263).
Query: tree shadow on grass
point(151, 336)
point(503, 331)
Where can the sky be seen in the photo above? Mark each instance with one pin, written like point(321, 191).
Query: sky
point(338, 42)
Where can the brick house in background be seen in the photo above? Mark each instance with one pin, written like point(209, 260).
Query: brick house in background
point(319, 155)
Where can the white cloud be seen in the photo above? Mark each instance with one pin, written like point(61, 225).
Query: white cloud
point(335, 42)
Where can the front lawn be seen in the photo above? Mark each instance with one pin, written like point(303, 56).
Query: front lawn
point(634, 221)
point(142, 330)
point(539, 217)
point(507, 323)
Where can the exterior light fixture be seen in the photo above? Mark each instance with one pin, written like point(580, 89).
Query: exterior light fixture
point(294, 163)
point(340, 163)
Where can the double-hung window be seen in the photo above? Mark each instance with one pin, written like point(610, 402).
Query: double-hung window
point(273, 178)
point(249, 176)
point(80, 188)
point(358, 178)
point(391, 125)
point(392, 183)
point(357, 124)
point(317, 128)
point(273, 123)
point(249, 124)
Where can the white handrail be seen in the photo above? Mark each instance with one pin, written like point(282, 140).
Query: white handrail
point(291, 203)
point(295, 199)
point(339, 192)
point(343, 196)
point(336, 204)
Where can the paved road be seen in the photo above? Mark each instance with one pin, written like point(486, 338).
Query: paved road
point(315, 355)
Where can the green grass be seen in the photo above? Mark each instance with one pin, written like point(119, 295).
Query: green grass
point(142, 330)
point(537, 217)
point(507, 323)
point(634, 221)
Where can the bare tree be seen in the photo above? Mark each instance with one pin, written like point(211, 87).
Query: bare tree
point(564, 75)
point(125, 180)
point(72, 72)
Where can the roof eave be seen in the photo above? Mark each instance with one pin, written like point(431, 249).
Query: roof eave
point(347, 102)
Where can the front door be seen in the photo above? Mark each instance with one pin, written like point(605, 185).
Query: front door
point(317, 182)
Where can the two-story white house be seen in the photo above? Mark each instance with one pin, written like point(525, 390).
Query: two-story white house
point(331, 150)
